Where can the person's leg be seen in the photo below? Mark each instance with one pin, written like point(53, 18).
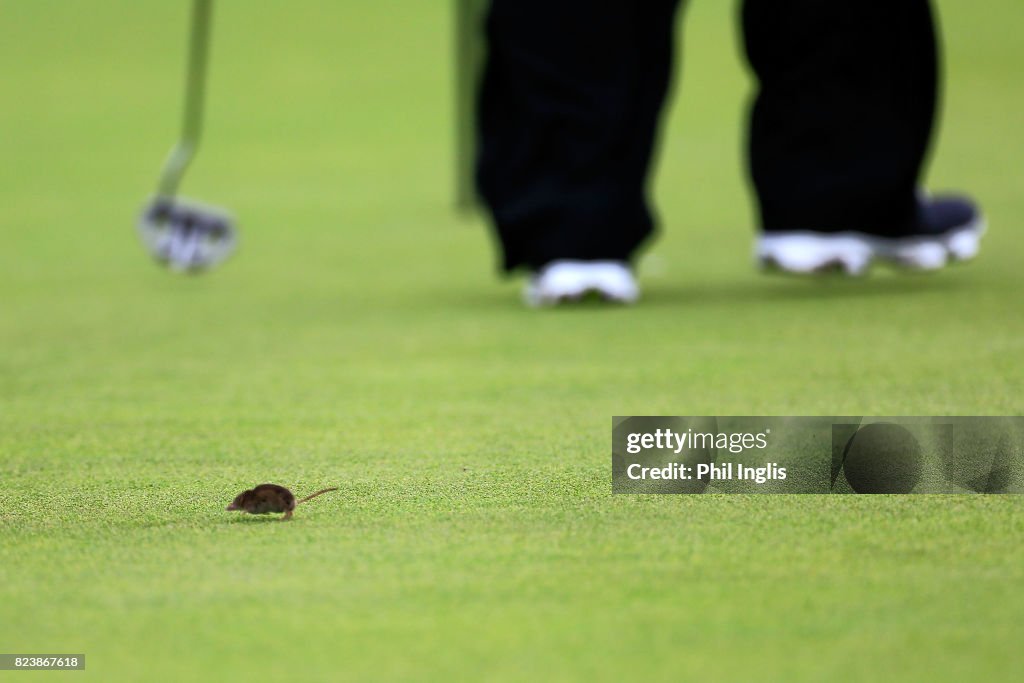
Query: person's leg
point(844, 113)
point(568, 114)
point(839, 134)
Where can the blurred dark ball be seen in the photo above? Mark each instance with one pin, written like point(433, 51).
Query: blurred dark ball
point(882, 458)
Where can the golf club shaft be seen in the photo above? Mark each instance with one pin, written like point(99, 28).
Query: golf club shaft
point(195, 86)
point(469, 53)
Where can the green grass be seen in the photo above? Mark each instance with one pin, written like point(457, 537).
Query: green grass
point(361, 339)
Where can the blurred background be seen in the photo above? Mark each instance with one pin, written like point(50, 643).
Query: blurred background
point(325, 122)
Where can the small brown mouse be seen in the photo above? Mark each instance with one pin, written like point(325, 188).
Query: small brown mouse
point(270, 498)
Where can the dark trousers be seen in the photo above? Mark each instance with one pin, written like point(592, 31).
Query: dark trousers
point(572, 94)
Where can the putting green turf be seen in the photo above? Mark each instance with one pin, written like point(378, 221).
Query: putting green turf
point(360, 338)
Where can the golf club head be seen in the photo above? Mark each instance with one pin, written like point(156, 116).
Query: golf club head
point(186, 236)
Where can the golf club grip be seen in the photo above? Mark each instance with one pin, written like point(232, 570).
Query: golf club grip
point(195, 89)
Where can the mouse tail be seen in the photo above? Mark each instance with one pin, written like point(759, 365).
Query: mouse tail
point(333, 488)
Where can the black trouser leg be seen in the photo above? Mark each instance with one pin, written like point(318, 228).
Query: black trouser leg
point(844, 114)
point(569, 108)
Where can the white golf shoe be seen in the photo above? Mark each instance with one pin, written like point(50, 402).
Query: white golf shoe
point(565, 281)
point(949, 230)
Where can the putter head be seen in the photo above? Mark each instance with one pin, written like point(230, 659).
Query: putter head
point(186, 236)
